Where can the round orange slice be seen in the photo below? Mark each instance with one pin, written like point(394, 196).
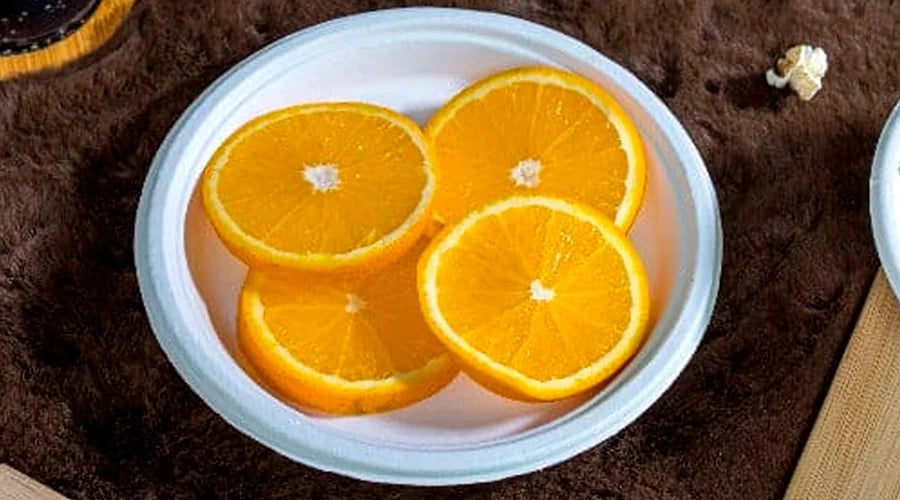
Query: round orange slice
point(343, 345)
point(537, 131)
point(321, 187)
point(537, 297)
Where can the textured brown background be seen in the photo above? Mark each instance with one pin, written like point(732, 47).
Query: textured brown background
point(90, 405)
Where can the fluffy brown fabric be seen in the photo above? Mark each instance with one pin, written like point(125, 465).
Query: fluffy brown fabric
point(90, 405)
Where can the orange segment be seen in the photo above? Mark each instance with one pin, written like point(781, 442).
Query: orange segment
point(536, 295)
point(340, 344)
point(320, 187)
point(537, 131)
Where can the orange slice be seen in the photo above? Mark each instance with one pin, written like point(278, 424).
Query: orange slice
point(537, 297)
point(321, 187)
point(343, 345)
point(537, 131)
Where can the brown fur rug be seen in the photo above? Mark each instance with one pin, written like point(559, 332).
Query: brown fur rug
point(90, 405)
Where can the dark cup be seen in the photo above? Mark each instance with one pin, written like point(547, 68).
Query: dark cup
point(31, 24)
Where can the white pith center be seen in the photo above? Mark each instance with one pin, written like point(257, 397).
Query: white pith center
point(527, 173)
point(354, 304)
point(322, 178)
point(540, 293)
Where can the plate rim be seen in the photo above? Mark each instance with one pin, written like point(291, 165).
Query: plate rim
point(884, 210)
point(340, 454)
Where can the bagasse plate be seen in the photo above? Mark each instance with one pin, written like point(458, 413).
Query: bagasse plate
point(413, 60)
point(884, 202)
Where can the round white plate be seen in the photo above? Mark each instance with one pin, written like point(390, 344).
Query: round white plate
point(884, 198)
point(413, 60)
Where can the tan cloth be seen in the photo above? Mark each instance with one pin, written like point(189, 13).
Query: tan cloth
point(17, 486)
point(854, 449)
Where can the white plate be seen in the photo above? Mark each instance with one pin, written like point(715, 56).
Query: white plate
point(884, 198)
point(413, 60)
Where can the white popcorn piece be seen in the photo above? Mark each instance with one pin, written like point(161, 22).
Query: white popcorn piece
point(803, 68)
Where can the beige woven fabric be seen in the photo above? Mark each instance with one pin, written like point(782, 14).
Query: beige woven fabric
point(17, 486)
point(853, 451)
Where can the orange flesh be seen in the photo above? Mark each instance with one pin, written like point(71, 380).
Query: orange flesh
point(356, 329)
point(491, 305)
point(553, 124)
point(265, 192)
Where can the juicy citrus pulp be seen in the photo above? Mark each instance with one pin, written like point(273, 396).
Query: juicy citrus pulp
point(320, 187)
point(344, 345)
point(537, 295)
point(537, 131)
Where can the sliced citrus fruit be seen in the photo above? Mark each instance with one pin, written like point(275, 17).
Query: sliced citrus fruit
point(342, 344)
point(537, 131)
point(320, 187)
point(536, 296)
